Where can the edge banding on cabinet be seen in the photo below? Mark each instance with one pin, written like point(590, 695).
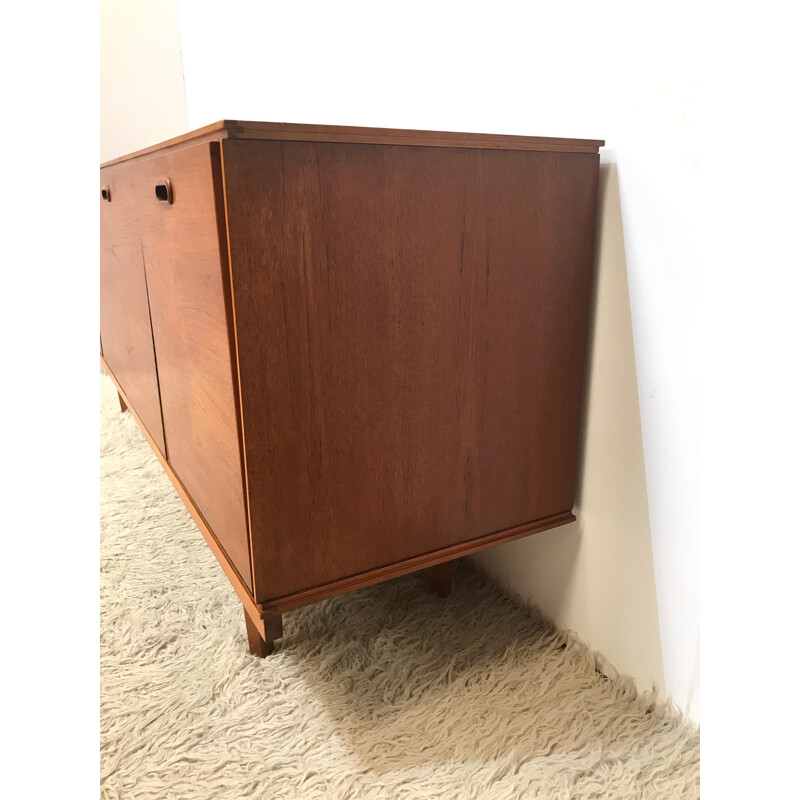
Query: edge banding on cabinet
point(287, 131)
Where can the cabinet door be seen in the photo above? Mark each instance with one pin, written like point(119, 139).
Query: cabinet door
point(185, 252)
point(125, 333)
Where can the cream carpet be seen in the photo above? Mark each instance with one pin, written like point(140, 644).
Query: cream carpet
point(388, 692)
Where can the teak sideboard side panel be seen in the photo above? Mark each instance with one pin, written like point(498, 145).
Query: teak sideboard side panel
point(185, 257)
point(125, 332)
point(411, 326)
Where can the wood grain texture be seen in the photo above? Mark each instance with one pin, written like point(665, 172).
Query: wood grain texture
point(125, 332)
point(283, 131)
point(411, 327)
point(373, 576)
point(187, 273)
point(286, 131)
point(260, 613)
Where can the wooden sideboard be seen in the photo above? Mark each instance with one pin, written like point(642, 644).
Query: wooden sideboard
point(356, 352)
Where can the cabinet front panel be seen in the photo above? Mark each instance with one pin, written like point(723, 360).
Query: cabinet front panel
point(125, 332)
point(411, 327)
point(186, 261)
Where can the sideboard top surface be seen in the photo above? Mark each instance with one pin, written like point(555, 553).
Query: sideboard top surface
point(285, 131)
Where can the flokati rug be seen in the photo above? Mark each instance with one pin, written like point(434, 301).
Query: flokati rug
point(389, 692)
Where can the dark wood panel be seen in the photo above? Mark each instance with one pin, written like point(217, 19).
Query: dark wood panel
point(187, 272)
point(260, 614)
point(533, 239)
point(357, 135)
point(125, 333)
point(354, 582)
point(288, 131)
point(411, 328)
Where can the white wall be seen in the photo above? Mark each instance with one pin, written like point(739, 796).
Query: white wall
point(142, 96)
point(625, 577)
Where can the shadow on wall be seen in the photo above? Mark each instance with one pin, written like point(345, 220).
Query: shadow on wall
point(596, 576)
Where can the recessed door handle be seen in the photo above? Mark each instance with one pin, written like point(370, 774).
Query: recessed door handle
point(105, 193)
point(164, 191)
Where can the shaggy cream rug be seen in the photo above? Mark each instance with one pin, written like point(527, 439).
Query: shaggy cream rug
point(388, 692)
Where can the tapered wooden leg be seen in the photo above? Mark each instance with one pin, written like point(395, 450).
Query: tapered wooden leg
point(122, 405)
point(442, 578)
point(273, 629)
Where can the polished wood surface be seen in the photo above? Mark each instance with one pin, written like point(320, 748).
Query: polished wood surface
point(186, 264)
point(126, 336)
point(285, 131)
point(411, 331)
point(281, 131)
point(369, 345)
point(409, 565)
point(259, 613)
